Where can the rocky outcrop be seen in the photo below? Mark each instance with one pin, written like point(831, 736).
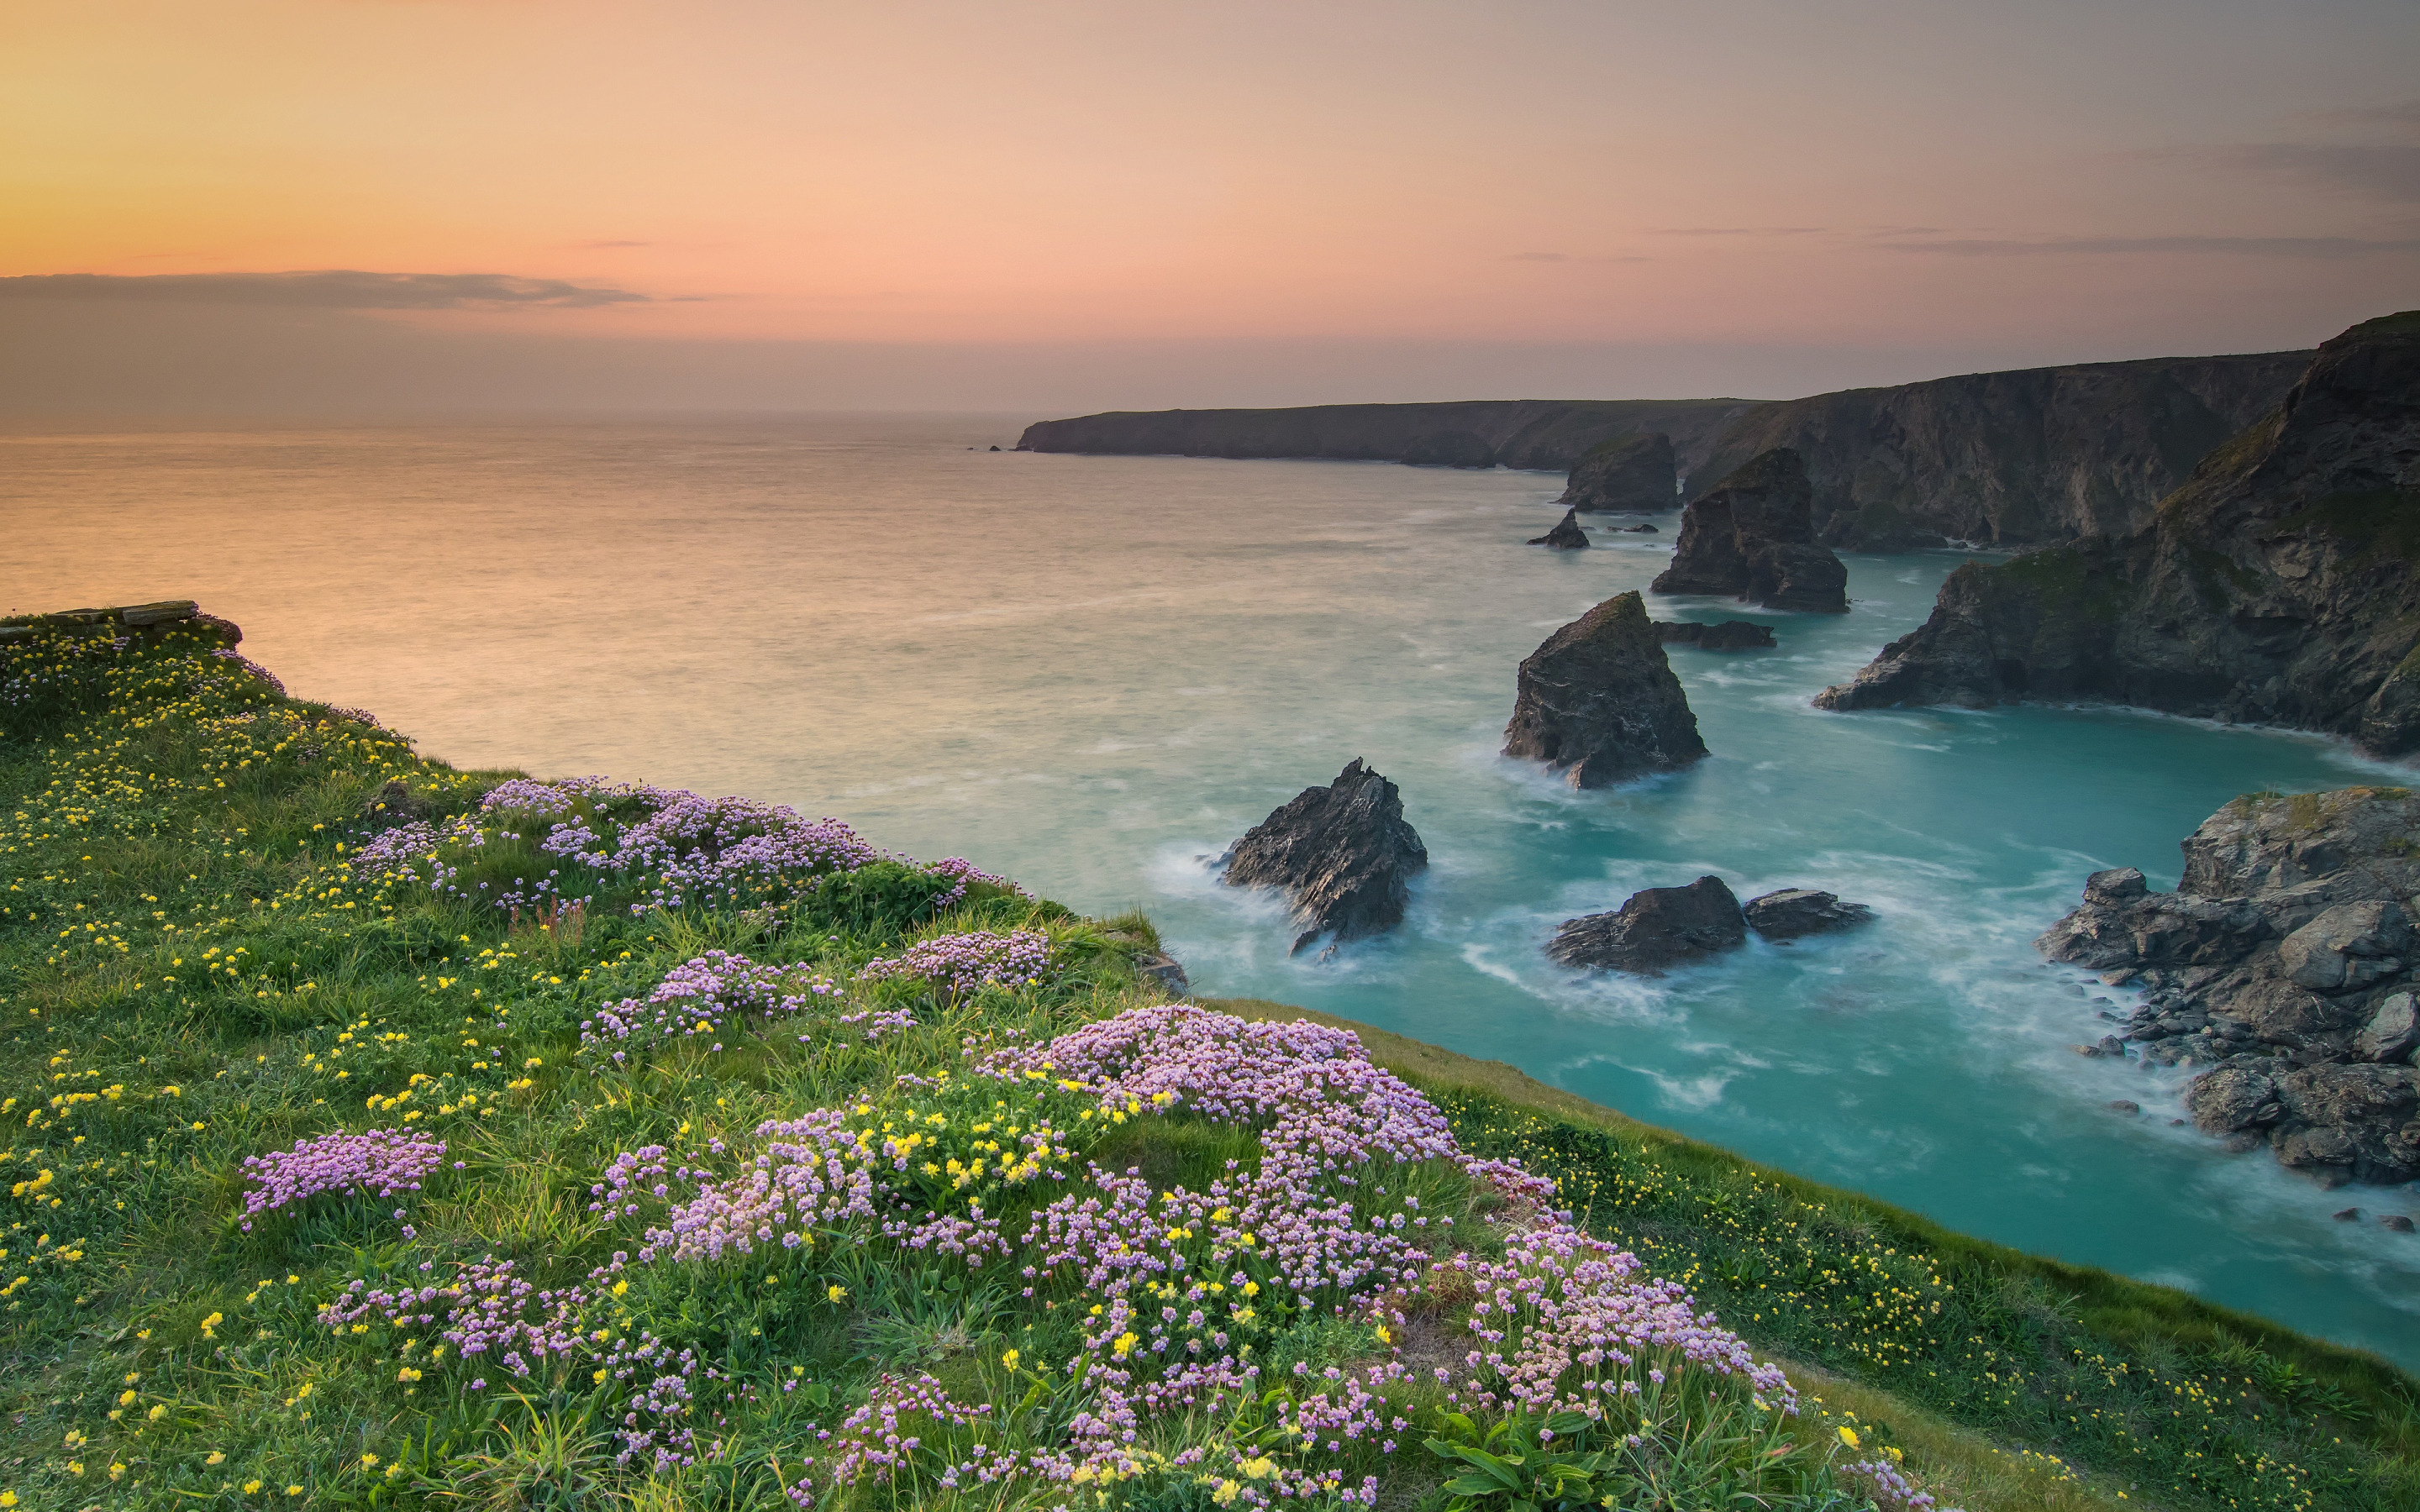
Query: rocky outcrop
point(1343, 853)
point(2278, 586)
point(1753, 538)
point(1643, 528)
point(2036, 456)
point(1794, 913)
point(1658, 928)
point(1634, 472)
point(1598, 701)
point(1731, 635)
point(175, 616)
point(1545, 434)
point(1566, 535)
point(2286, 960)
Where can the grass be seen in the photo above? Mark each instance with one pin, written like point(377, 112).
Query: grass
point(195, 971)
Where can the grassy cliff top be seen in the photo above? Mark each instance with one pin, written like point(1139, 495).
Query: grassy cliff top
point(382, 1133)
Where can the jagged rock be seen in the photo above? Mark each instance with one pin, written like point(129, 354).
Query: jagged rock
point(1643, 528)
point(1598, 699)
point(1344, 851)
point(1657, 928)
point(1754, 538)
point(1731, 635)
point(1159, 966)
point(1566, 535)
point(1793, 913)
point(2286, 949)
point(1628, 472)
point(2276, 586)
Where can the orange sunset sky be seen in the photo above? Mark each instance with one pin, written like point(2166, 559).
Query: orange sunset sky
point(1018, 206)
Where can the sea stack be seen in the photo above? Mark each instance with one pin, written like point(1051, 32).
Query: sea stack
point(1345, 854)
point(1658, 927)
point(1629, 472)
point(1753, 537)
point(1566, 536)
point(1598, 701)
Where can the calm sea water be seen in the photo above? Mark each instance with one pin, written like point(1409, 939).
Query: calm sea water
point(1094, 672)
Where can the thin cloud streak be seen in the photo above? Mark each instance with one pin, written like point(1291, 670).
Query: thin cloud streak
point(2388, 171)
point(2322, 247)
point(321, 290)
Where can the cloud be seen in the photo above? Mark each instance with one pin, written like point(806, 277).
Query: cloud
point(1738, 231)
point(2324, 247)
point(2389, 170)
point(2405, 115)
point(322, 289)
point(1537, 257)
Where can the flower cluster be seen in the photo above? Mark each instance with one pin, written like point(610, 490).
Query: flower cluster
point(382, 1161)
point(961, 963)
point(394, 849)
point(702, 998)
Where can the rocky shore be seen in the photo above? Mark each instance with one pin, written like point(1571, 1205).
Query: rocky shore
point(2286, 961)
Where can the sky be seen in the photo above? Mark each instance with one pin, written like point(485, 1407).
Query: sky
point(384, 206)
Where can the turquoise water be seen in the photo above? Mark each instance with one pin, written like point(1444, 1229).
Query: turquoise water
point(1093, 672)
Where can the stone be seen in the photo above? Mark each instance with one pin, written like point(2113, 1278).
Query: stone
point(2347, 1215)
point(1656, 929)
point(2397, 1222)
point(1627, 473)
point(1731, 635)
point(2231, 1098)
point(1793, 913)
point(2357, 1122)
point(2392, 1031)
point(1598, 701)
point(2348, 946)
point(1343, 853)
point(2128, 1109)
point(2265, 590)
point(1753, 538)
point(1159, 967)
point(1566, 535)
point(1643, 528)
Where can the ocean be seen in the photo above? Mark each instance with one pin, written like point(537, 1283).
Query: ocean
point(1093, 673)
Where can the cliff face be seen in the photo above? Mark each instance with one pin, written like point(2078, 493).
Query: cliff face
point(1631, 473)
point(1545, 434)
point(2278, 585)
point(2036, 455)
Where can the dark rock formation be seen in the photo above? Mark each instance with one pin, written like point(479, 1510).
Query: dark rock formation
point(2037, 457)
point(1753, 538)
point(1657, 928)
point(1599, 700)
point(1628, 472)
point(1731, 635)
point(2277, 586)
point(2286, 960)
point(1640, 529)
point(1159, 967)
point(1344, 851)
point(1566, 535)
point(1547, 434)
point(1794, 913)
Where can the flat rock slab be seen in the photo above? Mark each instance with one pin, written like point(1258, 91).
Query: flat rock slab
point(1658, 928)
point(1343, 853)
point(1794, 913)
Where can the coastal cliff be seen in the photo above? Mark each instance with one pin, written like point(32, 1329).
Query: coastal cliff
point(2035, 456)
point(2276, 587)
point(1545, 434)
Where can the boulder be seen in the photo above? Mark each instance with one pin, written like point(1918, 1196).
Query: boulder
point(2347, 947)
point(1731, 635)
point(1343, 853)
point(1643, 528)
point(1628, 472)
point(2231, 1099)
point(2392, 1031)
point(1753, 537)
point(2359, 1123)
point(1657, 928)
point(1598, 701)
point(1793, 913)
point(1566, 535)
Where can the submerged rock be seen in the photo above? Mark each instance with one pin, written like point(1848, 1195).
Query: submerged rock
point(1793, 913)
point(1344, 851)
point(2285, 959)
point(1753, 537)
point(1599, 700)
point(1643, 528)
point(1566, 535)
point(1731, 635)
point(1657, 928)
point(1628, 472)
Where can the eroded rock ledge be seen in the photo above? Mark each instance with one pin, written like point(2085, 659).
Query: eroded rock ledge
point(2285, 961)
